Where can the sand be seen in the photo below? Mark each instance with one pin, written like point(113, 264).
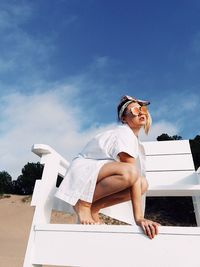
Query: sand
point(15, 222)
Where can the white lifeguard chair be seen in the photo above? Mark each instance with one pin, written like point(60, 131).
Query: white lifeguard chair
point(170, 172)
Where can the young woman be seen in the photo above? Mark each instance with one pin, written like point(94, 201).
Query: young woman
point(111, 169)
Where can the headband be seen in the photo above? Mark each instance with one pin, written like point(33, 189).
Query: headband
point(130, 100)
point(124, 107)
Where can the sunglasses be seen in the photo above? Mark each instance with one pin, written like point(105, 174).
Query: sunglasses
point(135, 111)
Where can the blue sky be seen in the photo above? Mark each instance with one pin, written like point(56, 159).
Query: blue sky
point(64, 64)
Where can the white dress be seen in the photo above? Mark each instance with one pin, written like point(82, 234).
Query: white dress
point(81, 177)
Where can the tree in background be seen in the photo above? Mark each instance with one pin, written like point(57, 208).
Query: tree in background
point(5, 182)
point(166, 137)
point(195, 148)
point(25, 183)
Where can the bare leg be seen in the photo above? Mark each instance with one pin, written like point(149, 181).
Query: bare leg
point(113, 177)
point(108, 201)
point(119, 197)
point(83, 210)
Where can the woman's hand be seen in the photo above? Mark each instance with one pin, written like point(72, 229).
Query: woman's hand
point(149, 227)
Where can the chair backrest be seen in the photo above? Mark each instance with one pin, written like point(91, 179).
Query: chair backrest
point(169, 163)
point(169, 171)
point(169, 156)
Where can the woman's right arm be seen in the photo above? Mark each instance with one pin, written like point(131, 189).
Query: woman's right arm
point(149, 227)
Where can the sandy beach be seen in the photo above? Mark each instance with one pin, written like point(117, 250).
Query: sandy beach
point(15, 222)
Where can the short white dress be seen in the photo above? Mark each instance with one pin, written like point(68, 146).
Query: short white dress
point(81, 177)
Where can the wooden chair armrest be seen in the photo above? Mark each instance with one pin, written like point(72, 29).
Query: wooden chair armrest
point(54, 165)
point(42, 150)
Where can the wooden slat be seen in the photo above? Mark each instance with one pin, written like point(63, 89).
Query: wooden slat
point(115, 229)
point(171, 177)
point(174, 190)
point(169, 162)
point(119, 245)
point(167, 147)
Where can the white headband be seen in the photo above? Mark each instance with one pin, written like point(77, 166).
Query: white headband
point(123, 108)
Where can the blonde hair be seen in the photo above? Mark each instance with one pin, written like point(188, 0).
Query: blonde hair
point(146, 126)
point(148, 123)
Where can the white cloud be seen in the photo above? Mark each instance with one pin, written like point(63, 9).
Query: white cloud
point(158, 128)
point(46, 118)
point(41, 118)
point(180, 109)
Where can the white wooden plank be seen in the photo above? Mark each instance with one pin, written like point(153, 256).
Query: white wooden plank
point(171, 177)
point(175, 230)
point(174, 190)
point(58, 244)
point(36, 192)
point(118, 247)
point(42, 150)
point(196, 203)
point(62, 170)
point(122, 212)
point(167, 147)
point(169, 162)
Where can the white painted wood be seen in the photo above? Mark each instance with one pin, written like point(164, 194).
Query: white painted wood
point(173, 183)
point(174, 190)
point(75, 245)
point(123, 211)
point(44, 201)
point(169, 162)
point(36, 192)
point(115, 229)
point(170, 171)
point(172, 177)
point(167, 147)
point(196, 201)
point(41, 150)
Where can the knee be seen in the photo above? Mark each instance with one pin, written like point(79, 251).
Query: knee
point(130, 175)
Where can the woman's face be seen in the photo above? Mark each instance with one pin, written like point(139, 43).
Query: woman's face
point(135, 121)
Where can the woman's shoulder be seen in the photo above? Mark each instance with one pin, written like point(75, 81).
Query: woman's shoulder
point(112, 130)
point(124, 129)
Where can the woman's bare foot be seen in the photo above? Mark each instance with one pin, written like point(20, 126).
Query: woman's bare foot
point(95, 216)
point(83, 210)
